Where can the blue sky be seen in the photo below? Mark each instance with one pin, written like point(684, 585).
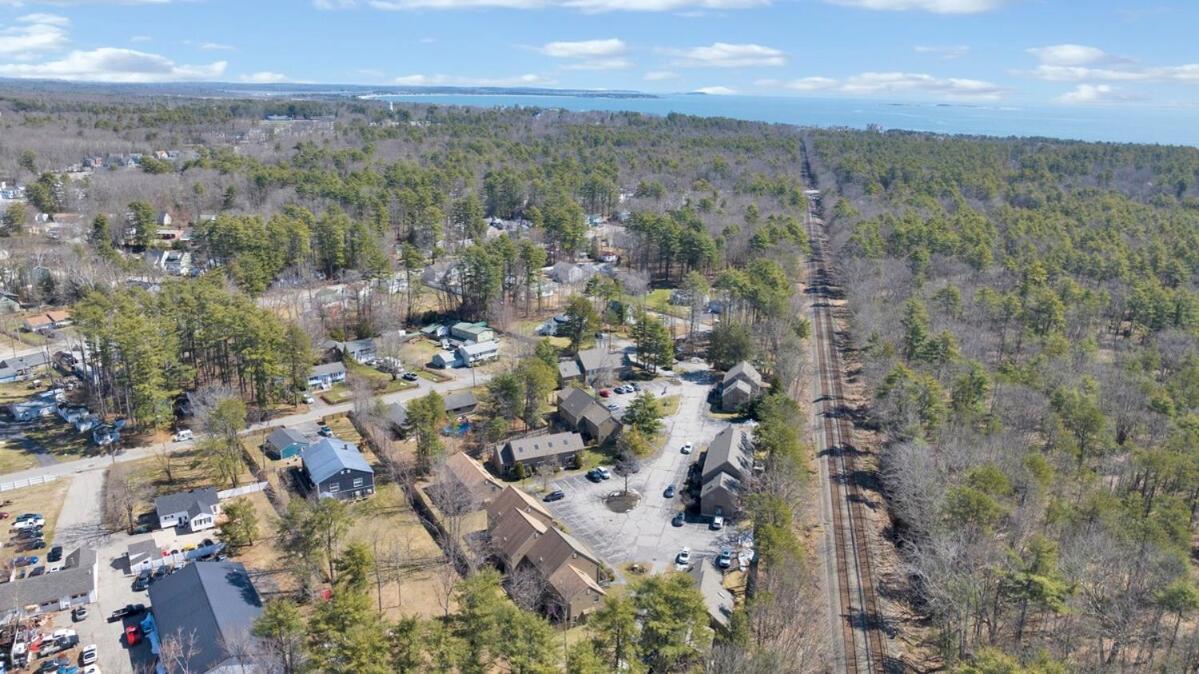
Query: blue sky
point(1069, 53)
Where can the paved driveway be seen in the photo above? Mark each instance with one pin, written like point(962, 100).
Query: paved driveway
point(645, 534)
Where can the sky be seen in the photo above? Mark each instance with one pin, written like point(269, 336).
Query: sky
point(1052, 52)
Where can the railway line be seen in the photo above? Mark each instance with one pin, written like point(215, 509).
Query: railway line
point(858, 627)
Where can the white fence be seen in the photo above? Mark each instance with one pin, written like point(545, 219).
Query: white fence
point(242, 490)
point(27, 482)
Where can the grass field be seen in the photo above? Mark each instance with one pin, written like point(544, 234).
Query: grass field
point(20, 390)
point(45, 499)
point(14, 458)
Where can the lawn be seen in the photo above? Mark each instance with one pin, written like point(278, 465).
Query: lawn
point(381, 382)
point(17, 391)
point(434, 375)
point(659, 301)
point(344, 429)
point(45, 499)
point(59, 438)
point(14, 458)
point(340, 393)
point(187, 471)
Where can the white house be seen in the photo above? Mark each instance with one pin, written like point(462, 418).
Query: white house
point(482, 352)
point(193, 510)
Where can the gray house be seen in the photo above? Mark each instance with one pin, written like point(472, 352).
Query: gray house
point(193, 510)
point(557, 449)
point(336, 469)
point(578, 411)
point(72, 585)
point(285, 443)
point(460, 402)
point(325, 376)
point(210, 607)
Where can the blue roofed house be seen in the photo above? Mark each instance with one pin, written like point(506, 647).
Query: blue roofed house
point(206, 610)
point(336, 469)
point(326, 375)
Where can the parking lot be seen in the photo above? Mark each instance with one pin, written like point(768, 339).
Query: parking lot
point(645, 534)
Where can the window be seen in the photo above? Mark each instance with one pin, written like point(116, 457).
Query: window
point(357, 482)
point(333, 488)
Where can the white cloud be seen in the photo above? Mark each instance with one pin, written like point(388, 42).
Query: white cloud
point(946, 51)
point(584, 48)
point(264, 77)
point(140, 38)
point(1069, 55)
point(109, 64)
point(591, 6)
point(1089, 93)
point(659, 75)
point(527, 80)
point(726, 55)
point(601, 64)
point(35, 33)
point(217, 46)
point(870, 84)
point(715, 91)
point(933, 6)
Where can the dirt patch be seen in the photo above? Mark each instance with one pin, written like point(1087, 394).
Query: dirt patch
point(45, 499)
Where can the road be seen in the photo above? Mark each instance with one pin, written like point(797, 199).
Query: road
point(859, 643)
point(316, 412)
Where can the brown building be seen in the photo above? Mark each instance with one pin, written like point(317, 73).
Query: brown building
point(470, 476)
point(741, 384)
point(516, 499)
point(731, 451)
point(560, 450)
point(720, 495)
point(578, 411)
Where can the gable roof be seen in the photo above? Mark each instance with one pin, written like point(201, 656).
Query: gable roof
point(597, 359)
point(722, 481)
point(729, 451)
point(459, 399)
point(569, 581)
point(517, 499)
point(717, 599)
point(214, 602)
point(330, 456)
point(538, 446)
point(471, 475)
point(556, 548)
point(568, 369)
point(78, 576)
point(574, 401)
point(397, 414)
point(480, 348)
point(743, 370)
point(285, 437)
point(512, 534)
point(193, 502)
point(327, 368)
point(142, 550)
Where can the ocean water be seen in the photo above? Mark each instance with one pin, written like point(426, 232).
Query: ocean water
point(1128, 123)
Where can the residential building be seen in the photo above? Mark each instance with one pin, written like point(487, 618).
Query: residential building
point(211, 607)
point(512, 498)
point(435, 331)
point(717, 599)
point(72, 585)
point(361, 350)
point(59, 318)
point(174, 262)
point(142, 555)
point(472, 333)
point(578, 411)
point(741, 384)
point(720, 495)
point(40, 405)
point(326, 375)
point(285, 443)
point(22, 367)
point(336, 469)
point(568, 371)
point(470, 477)
point(568, 273)
point(598, 366)
point(397, 418)
point(472, 354)
point(192, 510)
point(460, 402)
point(444, 360)
point(560, 450)
point(731, 451)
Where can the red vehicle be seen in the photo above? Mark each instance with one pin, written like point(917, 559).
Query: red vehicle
point(133, 635)
point(4, 515)
point(604, 393)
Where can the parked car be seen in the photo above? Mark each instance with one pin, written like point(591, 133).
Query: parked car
point(53, 665)
point(133, 635)
point(88, 655)
point(555, 495)
point(594, 476)
point(55, 554)
point(410, 376)
point(725, 560)
point(717, 523)
point(308, 399)
point(688, 448)
point(183, 435)
point(5, 515)
point(142, 581)
point(39, 571)
point(684, 557)
point(603, 472)
point(28, 516)
point(325, 432)
point(604, 393)
point(25, 561)
point(35, 544)
point(669, 493)
point(79, 614)
point(30, 523)
point(126, 611)
point(678, 520)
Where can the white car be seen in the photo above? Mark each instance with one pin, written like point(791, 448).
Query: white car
point(31, 523)
point(684, 557)
point(717, 523)
point(688, 448)
point(308, 399)
point(183, 435)
point(89, 655)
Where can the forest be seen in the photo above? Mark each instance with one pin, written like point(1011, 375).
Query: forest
point(1025, 314)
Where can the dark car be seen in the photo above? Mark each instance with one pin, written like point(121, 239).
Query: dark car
point(25, 561)
point(555, 495)
point(678, 519)
point(33, 545)
point(126, 611)
point(55, 554)
point(142, 581)
point(594, 476)
point(39, 571)
point(410, 376)
point(669, 493)
point(79, 614)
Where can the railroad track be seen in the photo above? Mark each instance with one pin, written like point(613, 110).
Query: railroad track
point(859, 627)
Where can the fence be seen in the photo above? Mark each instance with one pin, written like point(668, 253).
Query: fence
point(27, 482)
point(242, 490)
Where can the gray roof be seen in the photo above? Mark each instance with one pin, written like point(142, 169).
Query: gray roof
point(717, 599)
point(729, 451)
point(397, 414)
point(574, 401)
point(142, 549)
point(459, 400)
point(568, 369)
point(480, 348)
point(327, 368)
point(597, 359)
point(743, 370)
point(208, 604)
point(12, 366)
point(78, 576)
point(330, 456)
point(538, 446)
point(356, 347)
point(721, 480)
point(193, 502)
point(284, 437)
